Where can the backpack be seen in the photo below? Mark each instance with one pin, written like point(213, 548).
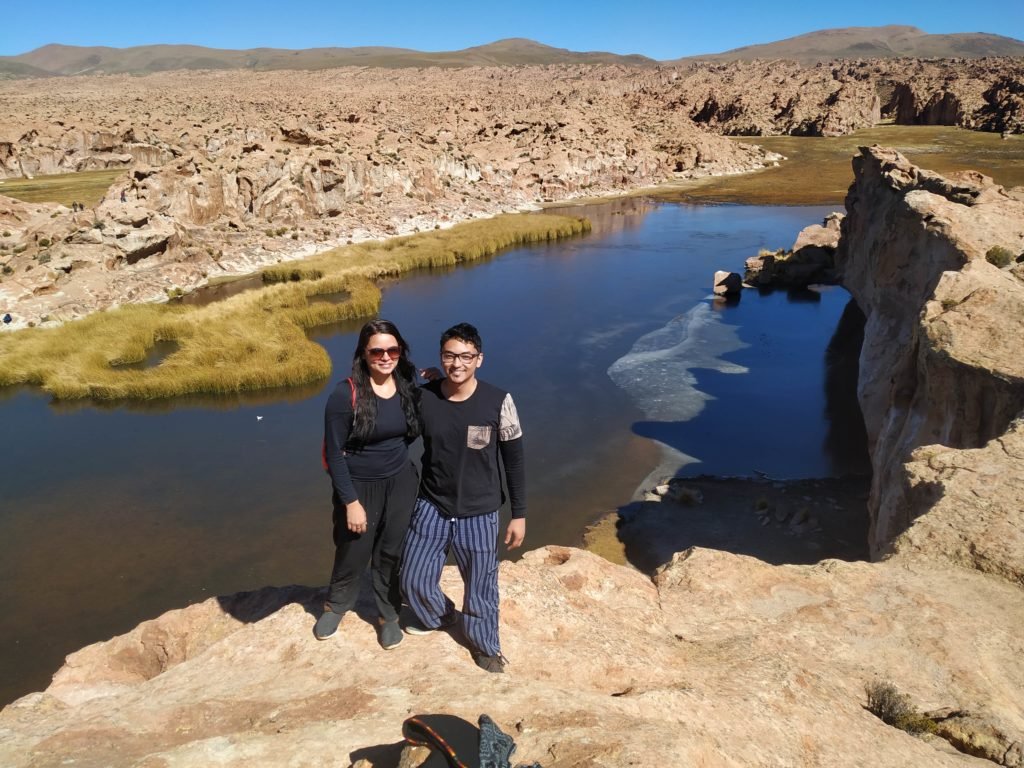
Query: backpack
point(457, 743)
point(323, 443)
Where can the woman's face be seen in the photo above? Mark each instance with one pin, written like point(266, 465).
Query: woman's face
point(381, 353)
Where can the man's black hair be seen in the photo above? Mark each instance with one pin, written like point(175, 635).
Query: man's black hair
point(465, 333)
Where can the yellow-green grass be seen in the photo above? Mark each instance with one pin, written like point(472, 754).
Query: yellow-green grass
point(85, 187)
point(254, 340)
point(818, 170)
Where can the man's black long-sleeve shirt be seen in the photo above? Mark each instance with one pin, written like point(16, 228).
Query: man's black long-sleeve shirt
point(462, 440)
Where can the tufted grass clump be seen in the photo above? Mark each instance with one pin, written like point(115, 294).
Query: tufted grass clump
point(998, 256)
point(251, 341)
point(896, 709)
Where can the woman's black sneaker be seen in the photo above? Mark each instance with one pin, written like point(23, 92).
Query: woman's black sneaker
point(389, 634)
point(327, 624)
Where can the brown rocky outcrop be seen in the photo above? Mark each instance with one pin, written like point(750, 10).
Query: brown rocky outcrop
point(251, 168)
point(1003, 111)
point(971, 93)
point(941, 362)
point(810, 260)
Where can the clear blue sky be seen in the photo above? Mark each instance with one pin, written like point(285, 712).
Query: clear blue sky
point(660, 29)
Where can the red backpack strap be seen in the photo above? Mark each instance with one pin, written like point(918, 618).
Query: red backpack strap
point(323, 443)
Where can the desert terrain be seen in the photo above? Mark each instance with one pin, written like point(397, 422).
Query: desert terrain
point(715, 659)
point(228, 171)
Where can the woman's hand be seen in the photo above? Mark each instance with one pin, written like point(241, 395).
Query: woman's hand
point(356, 517)
point(431, 374)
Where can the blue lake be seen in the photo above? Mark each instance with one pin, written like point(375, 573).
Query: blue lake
point(615, 354)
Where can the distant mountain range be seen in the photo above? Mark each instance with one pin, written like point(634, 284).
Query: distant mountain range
point(874, 43)
point(851, 42)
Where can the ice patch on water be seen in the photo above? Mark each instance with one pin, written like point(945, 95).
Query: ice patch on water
point(657, 371)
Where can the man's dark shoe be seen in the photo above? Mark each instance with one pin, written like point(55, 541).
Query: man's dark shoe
point(495, 663)
point(389, 634)
point(416, 628)
point(327, 624)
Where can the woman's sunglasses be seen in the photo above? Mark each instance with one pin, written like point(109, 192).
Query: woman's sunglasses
point(376, 353)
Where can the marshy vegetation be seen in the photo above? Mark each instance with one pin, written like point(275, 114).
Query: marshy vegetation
point(85, 187)
point(254, 340)
point(817, 171)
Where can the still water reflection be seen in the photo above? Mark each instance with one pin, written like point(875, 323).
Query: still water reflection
point(110, 515)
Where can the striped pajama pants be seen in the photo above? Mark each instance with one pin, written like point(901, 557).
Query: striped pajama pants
point(474, 540)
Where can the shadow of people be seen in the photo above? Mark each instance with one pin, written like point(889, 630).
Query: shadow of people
point(250, 607)
point(796, 522)
point(382, 755)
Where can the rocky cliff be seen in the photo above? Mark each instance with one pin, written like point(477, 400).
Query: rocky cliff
point(720, 659)
point(932, 262)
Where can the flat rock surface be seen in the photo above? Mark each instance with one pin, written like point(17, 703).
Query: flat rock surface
point(721, 660)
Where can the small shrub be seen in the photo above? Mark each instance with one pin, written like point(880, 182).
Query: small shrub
point(295, 235)
point(8, 269)
point(998, 256)
point(43, 258)
point(894, 708)
point(44, 243)
point(7, 233)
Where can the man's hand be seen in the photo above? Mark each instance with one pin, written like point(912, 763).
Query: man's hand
point(516, 532)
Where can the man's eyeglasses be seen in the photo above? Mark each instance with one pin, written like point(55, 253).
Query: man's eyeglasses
point(376, 353)
point(466, 357)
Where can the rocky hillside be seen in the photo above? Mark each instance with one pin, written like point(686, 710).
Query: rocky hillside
point(720, 659)
point(227, 171)
point(55, 60)
point(893, 41)
point(820, 46)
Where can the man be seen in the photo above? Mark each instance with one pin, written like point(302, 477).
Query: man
point(467, 423)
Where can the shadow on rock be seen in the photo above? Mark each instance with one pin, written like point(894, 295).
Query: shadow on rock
point(383, 755)
point(250, 607)
point(796, 522)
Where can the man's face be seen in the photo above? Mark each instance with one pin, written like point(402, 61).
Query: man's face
point(460, 360)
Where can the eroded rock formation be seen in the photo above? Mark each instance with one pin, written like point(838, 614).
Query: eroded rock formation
point(249, 168)
point(941, 363)
point(252, 168)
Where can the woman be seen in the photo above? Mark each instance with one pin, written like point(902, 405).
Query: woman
point(369, 422)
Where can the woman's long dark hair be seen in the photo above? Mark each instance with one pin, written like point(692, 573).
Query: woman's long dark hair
point(405, 381)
